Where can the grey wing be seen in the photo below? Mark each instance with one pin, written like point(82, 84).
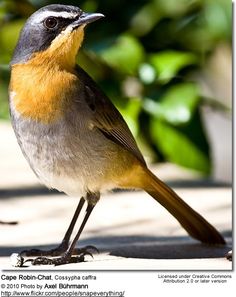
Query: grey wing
point(106, 117)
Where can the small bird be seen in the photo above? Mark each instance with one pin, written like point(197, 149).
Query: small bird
point(73, 137)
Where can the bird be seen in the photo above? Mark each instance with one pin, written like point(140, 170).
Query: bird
point(73, 137)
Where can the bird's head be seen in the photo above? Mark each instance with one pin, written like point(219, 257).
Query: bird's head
point(53, 33)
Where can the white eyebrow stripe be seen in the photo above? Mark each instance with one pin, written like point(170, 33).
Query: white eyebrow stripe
point(62, 14)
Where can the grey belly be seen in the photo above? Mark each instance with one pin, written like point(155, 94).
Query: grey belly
point(71, 159)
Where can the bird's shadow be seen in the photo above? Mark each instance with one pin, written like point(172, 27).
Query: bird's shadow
point(143, 247)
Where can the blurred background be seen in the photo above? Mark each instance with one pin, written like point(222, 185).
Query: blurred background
point(165, 64)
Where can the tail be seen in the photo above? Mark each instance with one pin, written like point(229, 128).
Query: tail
point(191, 221)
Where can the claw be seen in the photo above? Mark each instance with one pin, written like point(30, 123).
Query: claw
point(91, 247)
point(85, 249)
point(86, 253)
point(77, 256)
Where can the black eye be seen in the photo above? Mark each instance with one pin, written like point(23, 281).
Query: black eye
point(50, 22)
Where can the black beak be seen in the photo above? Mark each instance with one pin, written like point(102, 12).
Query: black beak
point(87, 18)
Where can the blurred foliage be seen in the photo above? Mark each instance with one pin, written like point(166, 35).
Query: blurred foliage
point(143, 55)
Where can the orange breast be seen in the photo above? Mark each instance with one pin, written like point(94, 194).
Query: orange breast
point(42, 92)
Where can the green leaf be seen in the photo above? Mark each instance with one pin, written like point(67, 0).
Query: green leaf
point(216, 17)
point(145, 19)
point(177, 105)
point(168, 63)
point(186, 146)
point(173, 8)
point(130, 112)
point(125, 54)
point(9, 34)
point(4, 109)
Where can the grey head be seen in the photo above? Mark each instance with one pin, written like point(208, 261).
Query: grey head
point(43, 26)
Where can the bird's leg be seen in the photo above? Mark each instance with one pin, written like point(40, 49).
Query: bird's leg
point(67, 257)
point(65, 242)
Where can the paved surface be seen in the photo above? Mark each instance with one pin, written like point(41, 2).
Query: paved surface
point(130, 229)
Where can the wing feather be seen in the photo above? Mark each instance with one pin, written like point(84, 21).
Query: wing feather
point(106, 117)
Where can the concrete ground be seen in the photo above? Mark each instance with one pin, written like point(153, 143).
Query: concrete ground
point(130, 229)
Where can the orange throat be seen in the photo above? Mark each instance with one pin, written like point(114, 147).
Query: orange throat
point(41, 93)
point(43, 85)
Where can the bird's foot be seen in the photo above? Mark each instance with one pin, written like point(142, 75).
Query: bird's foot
point(57, 261)
point(77, 255)
point(41, 253)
